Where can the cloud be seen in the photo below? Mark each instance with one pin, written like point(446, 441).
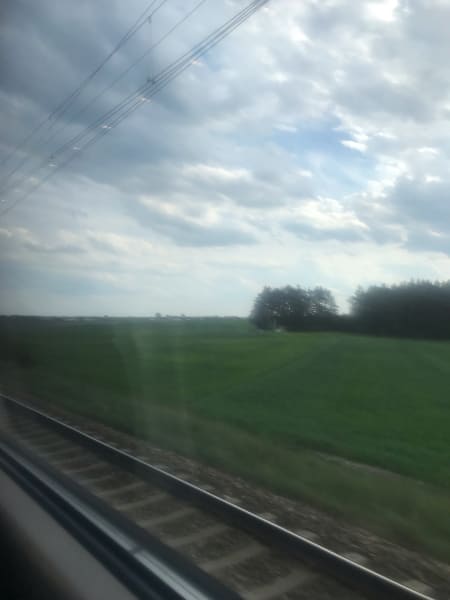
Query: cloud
point(207, 229)
point(309, 232)
point(119, 245)
point(354, 145)
point(429, 151)
point(216, 173)
point(317, 133)
point(421, 202)
point(429, 241)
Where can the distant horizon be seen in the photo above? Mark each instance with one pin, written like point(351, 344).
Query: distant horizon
point(343, 308)
point(93, 316)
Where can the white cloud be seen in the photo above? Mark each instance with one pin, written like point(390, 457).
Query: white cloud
point(428, 150)
point(236, 175)
point(383, 10)
point(286, 128)
point(297, 35)
point(361, 147)
point(326, 213)
point(216, 172)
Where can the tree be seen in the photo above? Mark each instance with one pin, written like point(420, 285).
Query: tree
point(322, 302)
point(262, 314)
point(413, 309)
point(293, 308)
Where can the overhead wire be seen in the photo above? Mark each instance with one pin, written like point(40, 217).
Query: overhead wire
point(184, 60)
point(140, 22)
point(97, 97)
point(131, 66)
point(133, 101)
point(63, 106)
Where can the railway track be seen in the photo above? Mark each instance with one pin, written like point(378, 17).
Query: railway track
point(247, 554)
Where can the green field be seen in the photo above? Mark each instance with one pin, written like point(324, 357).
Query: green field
point(308, 415)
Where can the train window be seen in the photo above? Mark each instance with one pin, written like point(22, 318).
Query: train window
point(225, 252)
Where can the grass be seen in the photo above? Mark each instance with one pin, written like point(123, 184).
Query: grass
point(293, 412)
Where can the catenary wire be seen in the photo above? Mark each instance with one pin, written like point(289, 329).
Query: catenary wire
point(184, 59)
point(84, 108)
point(63, 106)
point(132, 102)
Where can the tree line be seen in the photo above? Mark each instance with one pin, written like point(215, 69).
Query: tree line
point(294, 308)
point(419, 309)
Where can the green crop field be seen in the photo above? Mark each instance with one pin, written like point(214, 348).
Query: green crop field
point(359, 426)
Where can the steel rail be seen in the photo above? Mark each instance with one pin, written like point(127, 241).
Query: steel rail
point(149, 568)
point(340, 568)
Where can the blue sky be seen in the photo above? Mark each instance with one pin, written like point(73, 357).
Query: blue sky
point(338, 169)
point(310, 148)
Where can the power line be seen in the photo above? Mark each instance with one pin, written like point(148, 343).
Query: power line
point(43, 163)
point(126, 71)
point(133, 101)
point(59, 110)
point(140, 22)
point(168, 72)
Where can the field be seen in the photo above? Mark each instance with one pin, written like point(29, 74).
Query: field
point(359, 426)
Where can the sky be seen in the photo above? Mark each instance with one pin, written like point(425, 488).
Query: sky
point(311, 147)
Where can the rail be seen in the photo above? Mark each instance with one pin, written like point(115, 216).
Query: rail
point(340, 568)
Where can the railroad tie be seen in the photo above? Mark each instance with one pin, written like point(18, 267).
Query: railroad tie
point(130, 487)
point(81, 470)
point(280, 586)
point(163, 519)
point(61, 454)
point(198, 536)
point(95, 480)
point(148, 500)
point(31, 432)
point(65, 461)
point(49, 447)
point(234, 557)
point(39, 439)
